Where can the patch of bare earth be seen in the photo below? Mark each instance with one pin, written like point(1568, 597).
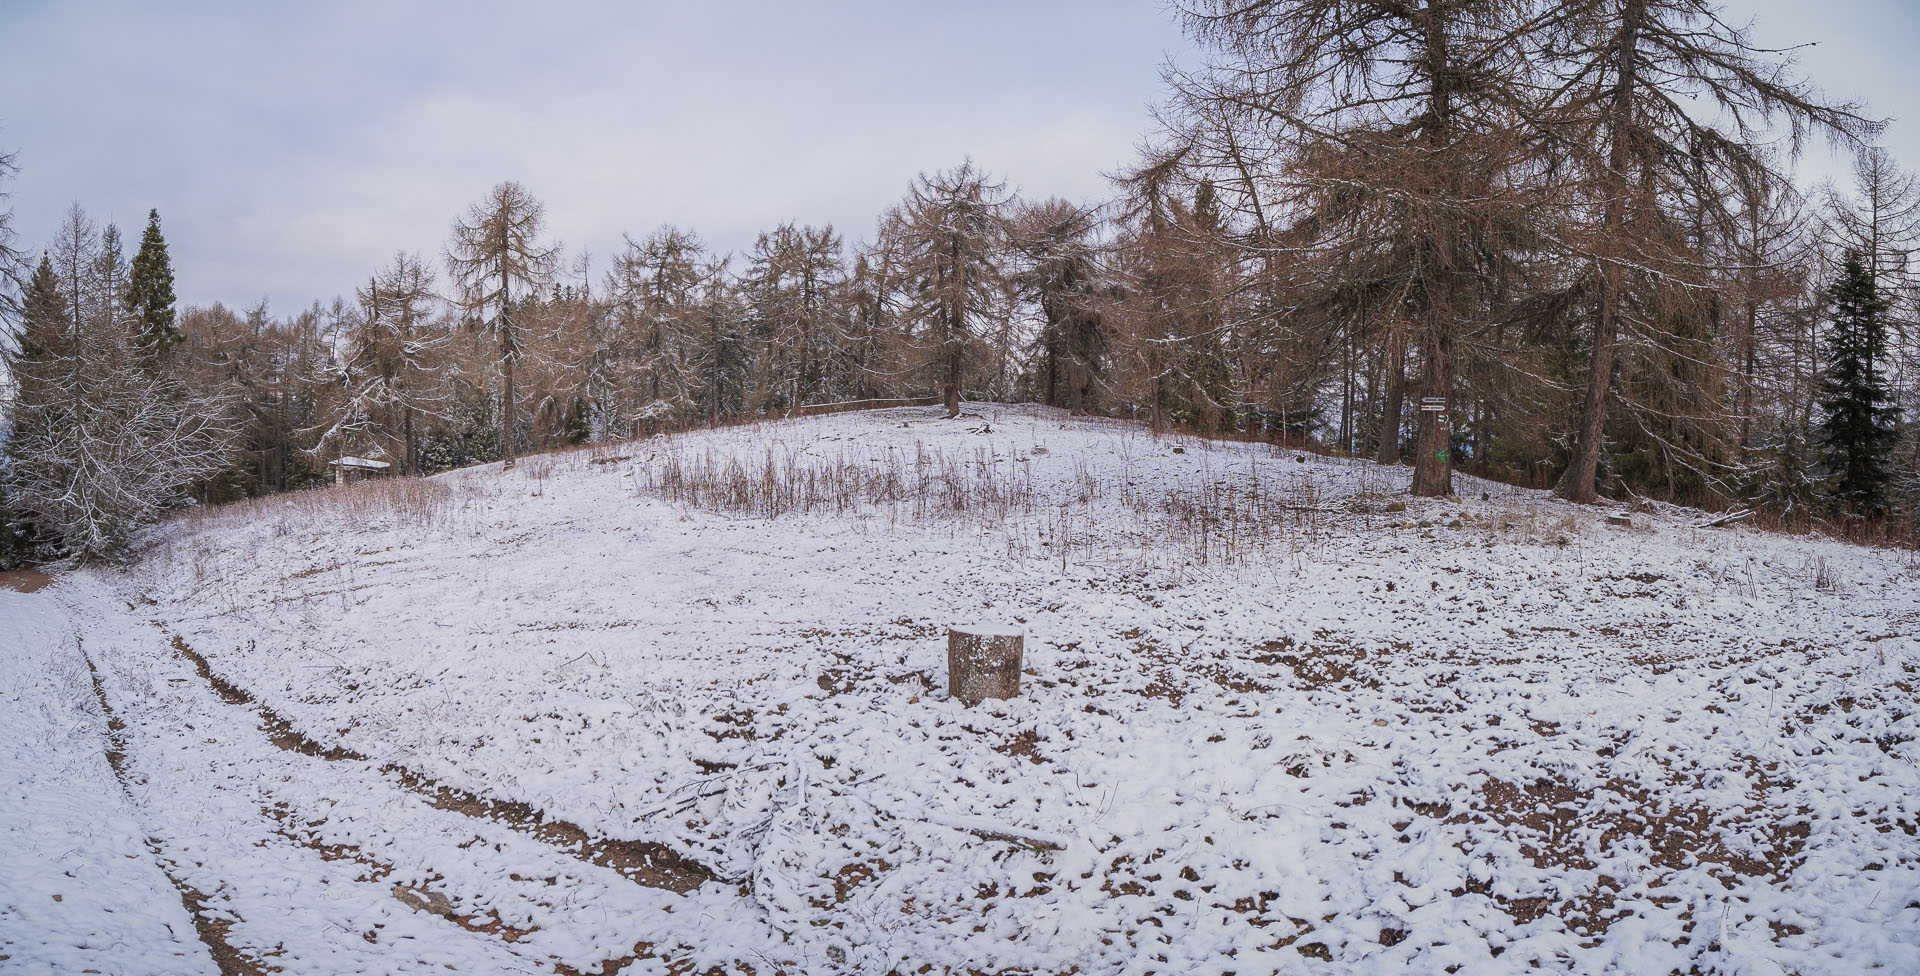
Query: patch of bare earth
point(26, 579)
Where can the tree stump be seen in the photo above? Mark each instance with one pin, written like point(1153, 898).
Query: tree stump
point(983, 662)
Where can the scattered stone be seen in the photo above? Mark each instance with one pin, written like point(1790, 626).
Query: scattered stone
point(424, 900)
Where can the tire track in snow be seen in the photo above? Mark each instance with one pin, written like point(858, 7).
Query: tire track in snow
point(212, 931)
point(525, 897)
point(217, 917)
point(653, 865)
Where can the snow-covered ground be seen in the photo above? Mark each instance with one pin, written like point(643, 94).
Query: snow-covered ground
point(79, 889)
point(1279, 716)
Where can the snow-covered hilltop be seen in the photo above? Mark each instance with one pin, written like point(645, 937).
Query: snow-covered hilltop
point(681, 703)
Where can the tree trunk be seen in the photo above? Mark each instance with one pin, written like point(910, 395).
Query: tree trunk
point(1578, 483)
point(508, 350)
point(1387, 442)
point(506, 411)
point(1433, 466)
point(1749, 329)
point(1747, 364)
point(952, 390)
point(983, 663)
point(1055, 361)
point(1346, 400)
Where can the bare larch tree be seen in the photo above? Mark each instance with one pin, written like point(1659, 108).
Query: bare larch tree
point(498, 261)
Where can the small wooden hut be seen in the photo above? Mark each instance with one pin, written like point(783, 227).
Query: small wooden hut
point(347, 470)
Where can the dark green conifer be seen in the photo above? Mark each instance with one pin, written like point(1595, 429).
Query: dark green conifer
point(1858, 432)
point(150, 293)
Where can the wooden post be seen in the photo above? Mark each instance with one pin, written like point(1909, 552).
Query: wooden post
point(983, 662)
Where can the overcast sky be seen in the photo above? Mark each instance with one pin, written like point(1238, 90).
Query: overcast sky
point(292, 148)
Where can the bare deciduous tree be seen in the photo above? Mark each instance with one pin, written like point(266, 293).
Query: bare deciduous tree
point(1059, 272)
point(498, 261)
point(1364, 120)
point(952, 231)
point(1665, 105)
point(393, 369)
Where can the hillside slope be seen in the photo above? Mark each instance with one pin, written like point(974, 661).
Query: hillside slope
point(1279, 721)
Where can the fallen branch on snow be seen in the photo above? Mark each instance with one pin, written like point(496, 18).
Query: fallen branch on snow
point(1726, 520)
point(990, 830)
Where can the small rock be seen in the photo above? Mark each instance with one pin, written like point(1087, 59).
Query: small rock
point(423, 900)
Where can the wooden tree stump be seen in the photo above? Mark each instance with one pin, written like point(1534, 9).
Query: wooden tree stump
point(983, 662)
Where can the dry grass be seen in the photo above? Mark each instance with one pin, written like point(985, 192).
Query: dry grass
point(413, 501)
point(1203, 516)
point(776, 482)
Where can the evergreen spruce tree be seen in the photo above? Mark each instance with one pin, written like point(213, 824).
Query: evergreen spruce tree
point(150, 294)
point(34, 406)
point(1858, 431)
point(42, 338)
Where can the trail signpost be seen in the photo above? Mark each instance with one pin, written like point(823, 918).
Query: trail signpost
point(1438, 407)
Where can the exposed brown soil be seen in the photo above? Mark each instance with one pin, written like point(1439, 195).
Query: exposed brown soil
point(1547, 813)
point(646, 950)
point(418, 897)
point(848, 878)
point(653, 865)
point(26, 579)
point(1323, 666)
point(213, 934)
point(1024, 745)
